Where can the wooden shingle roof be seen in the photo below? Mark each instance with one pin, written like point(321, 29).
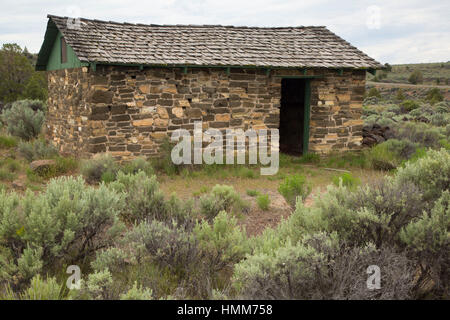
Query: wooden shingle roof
point(124, 43)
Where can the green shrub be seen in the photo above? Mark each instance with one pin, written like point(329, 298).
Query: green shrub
point(165, 244)
point(440, 120)
point(347, 180)
point(35, 105)
point(431, 174)
point(7, 175)
point(224, 242)
point(165, 163)
point(428, 238)
point(7, 142)
point(310, 158)
point(136, 165)
point(11, 164)
point(421, 133)
point(94, 169)
point(373, 213)
point(108, 176)
point(394, 109)
point(322, 267)
point(434, 96)
point(409, 105)
point(22, 121)
point(373, 92)
point(137, 293)
point(416, 77)
point(37, 150)
point(65, 224)
point(263, 202)
point(221, 198)
point(100, 286)
point(114, 259)
point(252, 193)
point(400, 96)
point(248, 173)
point(41, 289)
point(294, 186)
point(442, 107)
point(145, 201)
point(61, 166)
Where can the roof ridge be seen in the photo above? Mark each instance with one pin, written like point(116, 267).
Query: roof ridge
point(182, 25)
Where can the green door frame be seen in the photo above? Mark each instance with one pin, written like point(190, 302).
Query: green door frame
point(307, 105)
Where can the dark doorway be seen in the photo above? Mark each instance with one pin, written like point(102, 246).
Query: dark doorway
point(292, 116)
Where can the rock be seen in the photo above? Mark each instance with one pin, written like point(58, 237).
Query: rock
point(17, 184)
point(39, 165)
point(375, 134)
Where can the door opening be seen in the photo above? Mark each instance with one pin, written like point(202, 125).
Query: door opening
point(292, 116)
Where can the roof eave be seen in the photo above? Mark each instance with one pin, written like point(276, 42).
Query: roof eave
point(47, 45)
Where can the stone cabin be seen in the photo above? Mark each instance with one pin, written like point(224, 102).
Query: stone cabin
point(122, 88)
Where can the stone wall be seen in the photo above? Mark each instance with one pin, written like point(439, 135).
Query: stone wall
point(128, 112)
point(67, 121)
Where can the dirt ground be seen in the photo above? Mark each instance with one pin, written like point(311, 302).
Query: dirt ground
point(256, 220)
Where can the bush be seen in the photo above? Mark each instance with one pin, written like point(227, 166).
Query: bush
point(322, 267)
point(144, 199)
point(390, 154)
point(167, 245)
point(347, 180)
point(7, 142)
point(434, 96)
point(409, 105)
point(293, 187)
point(373, 92)
point(309, 158)
point(440, 120)
point(420, 133)
point(224, 242)
point(65, 224)
point(252, 193)
point(416, 77)
point(431, 174)
point(428, 238)
point(221, 198)
point(371, 214)
point(137, 293)
point(136, 165)
point(41, 289)
point(442, 107)
point(103, 165)
point(263, 202)
point(400, 96)
point(22, 121)
point(37, 150)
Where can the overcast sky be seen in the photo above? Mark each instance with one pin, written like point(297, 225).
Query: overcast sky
point(394, 31)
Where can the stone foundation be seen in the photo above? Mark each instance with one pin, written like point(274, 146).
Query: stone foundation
point(128, 112)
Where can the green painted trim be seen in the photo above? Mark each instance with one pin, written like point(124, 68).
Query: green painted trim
point(299, 77)
point(304, 71)
point(268, 70)
point(228, 71)
point(93, 66)
point(185, 70)
point(54, 58)
point(307, 106)
point(341, 72)
point(372, 71)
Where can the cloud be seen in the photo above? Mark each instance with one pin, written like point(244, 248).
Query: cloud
point(406, 30)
